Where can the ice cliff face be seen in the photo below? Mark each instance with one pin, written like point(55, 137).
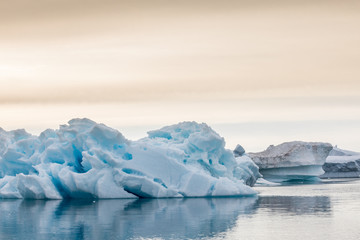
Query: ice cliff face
point(249, 169)
point(88, 160)
point(292, 160)
point(342, 164)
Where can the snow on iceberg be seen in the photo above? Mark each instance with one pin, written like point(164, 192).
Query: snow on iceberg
point(342, 164)
point(88, 160)
point(292, 161)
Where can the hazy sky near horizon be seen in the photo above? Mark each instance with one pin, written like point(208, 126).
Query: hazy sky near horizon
point(91, 51)
point(260, 72)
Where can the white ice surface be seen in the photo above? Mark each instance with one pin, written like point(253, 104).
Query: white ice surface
point(342, 159)
point(292, 161)
point(341, 152)
point(292, 154)
point(338, 155)
point(88, 160)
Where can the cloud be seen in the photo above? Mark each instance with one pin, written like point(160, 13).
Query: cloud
point(71, 51)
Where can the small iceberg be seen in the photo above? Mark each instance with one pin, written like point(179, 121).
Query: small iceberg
point(342, 164)
point(292, 161)
point(84, 159)
point(249, 168)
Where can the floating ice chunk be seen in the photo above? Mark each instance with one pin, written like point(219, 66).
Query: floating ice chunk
point(239, 151)
point(264, 182)
point(292, 161)
point(246, 167)
point(341, 152)
point(342, 164)
point(88, 160)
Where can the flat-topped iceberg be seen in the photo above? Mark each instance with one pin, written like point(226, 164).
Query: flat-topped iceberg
point(88, 160)
point(342, 164)
point(292, 161)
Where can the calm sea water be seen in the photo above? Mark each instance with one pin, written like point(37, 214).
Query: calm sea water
point(327, 210)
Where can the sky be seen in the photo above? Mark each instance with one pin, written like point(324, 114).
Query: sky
point(247, 68)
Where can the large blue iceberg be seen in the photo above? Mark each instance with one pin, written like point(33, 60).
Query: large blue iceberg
point(88, 160)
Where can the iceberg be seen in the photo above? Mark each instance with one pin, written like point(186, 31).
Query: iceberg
point(249, 168)
point(342, 164)
point(239, 151)
point(292, 161)
point(84, 159)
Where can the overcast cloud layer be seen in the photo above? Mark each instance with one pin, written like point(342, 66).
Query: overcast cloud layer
point(71, 51)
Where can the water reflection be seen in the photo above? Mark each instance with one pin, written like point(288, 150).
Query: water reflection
point(298, 205)
point(121, 219)
point(145, 218)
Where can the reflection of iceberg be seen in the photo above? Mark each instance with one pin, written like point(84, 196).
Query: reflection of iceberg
point(298, 205)
point(89, 160)
point(121, 219)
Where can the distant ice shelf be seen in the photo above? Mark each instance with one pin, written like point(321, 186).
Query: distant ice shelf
point(292, 161)
point(342, 164)
point(84, 159)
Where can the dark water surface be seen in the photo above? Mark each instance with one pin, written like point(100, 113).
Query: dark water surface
point(327, 210)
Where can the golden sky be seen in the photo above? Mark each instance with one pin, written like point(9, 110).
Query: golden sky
point(102, 50)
